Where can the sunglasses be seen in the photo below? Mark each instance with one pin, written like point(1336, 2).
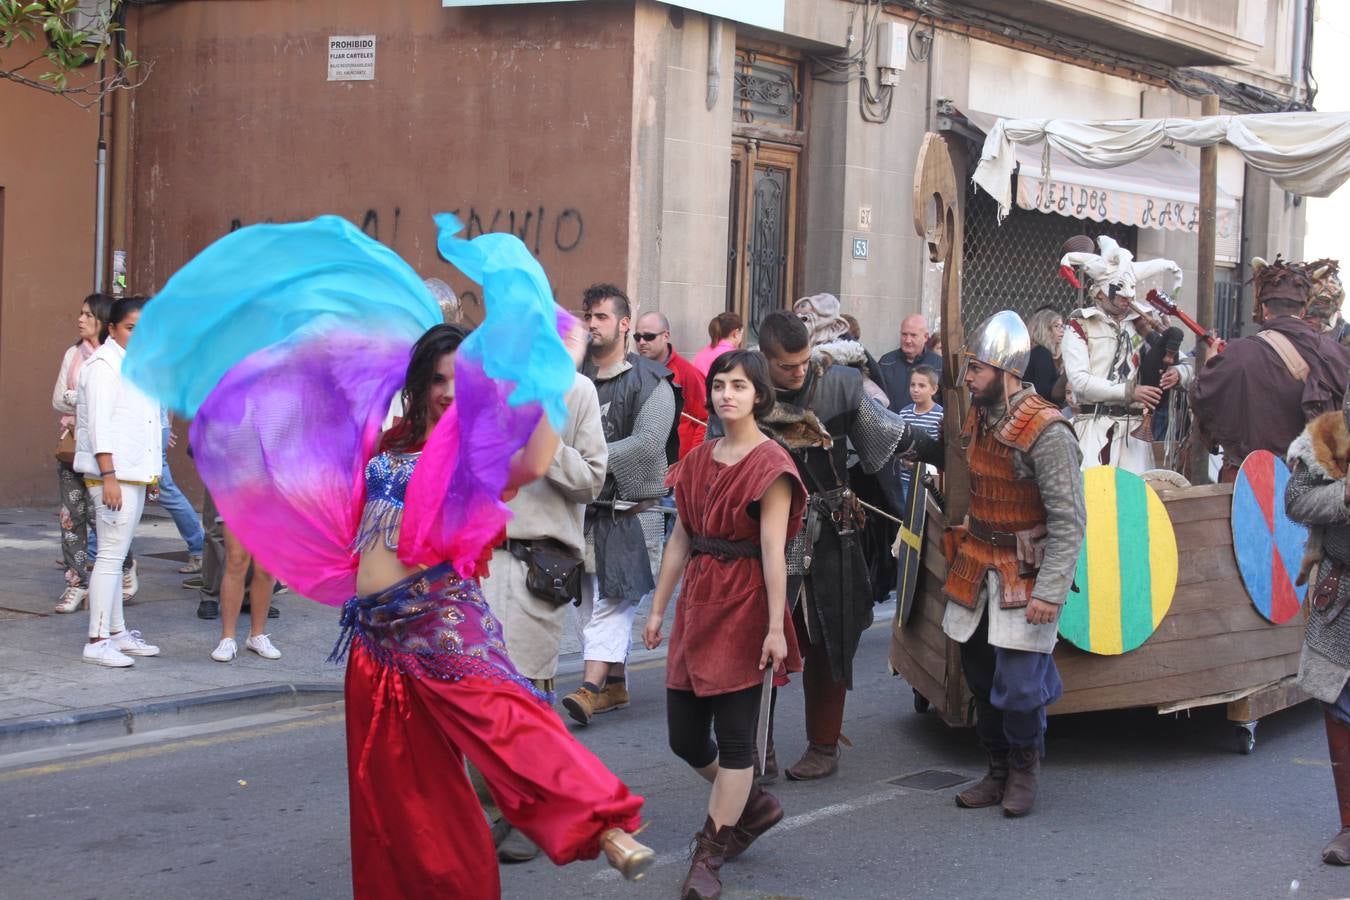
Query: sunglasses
point(647, 337)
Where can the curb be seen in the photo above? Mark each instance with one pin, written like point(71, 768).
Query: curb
point(53, 729)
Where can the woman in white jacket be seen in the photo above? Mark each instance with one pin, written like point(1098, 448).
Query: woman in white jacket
point(117, 450)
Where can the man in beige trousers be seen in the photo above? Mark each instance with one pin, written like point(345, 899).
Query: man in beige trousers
point(547, 512)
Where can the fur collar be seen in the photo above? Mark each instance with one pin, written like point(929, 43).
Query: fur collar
point(844, 352)
point(1324, 446)
point(796, 428)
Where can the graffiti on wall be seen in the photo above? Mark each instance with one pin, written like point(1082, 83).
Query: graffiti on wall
point(540, 229)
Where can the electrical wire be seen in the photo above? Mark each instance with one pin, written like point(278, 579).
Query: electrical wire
point(874, 105)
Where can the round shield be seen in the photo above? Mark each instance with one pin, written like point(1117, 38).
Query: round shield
point(1267, 544)
point(1127, 569)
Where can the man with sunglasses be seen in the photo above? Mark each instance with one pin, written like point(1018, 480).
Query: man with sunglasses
point(653, 342)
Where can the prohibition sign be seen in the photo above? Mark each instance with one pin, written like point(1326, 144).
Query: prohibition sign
point(1267, 543)
point(1127, 569)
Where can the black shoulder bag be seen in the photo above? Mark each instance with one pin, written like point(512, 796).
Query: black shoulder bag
point(551, 573)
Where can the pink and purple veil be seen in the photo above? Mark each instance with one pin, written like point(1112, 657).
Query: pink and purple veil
point(287, 343)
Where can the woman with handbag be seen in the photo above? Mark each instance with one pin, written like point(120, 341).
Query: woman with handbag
point(739, 501)
point(75, 505)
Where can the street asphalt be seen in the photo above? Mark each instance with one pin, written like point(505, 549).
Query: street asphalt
point(1133, 805)
point(249, 799)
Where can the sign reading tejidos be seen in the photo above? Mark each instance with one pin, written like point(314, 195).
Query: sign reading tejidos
point(1127, 569)
point(1267, 544)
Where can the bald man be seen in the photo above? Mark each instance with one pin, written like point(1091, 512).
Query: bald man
point(653, 341)
point(900, 363)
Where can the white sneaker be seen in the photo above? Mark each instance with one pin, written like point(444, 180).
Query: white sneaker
point(130, 582)
point(103, 653)
point(130, 643)
point(225, 651)
point(72, 599)
point(262, 645)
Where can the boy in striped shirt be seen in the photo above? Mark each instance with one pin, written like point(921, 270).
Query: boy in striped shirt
point(923, 413)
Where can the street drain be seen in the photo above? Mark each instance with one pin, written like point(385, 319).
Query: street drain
point(8, 613)
point(929, 780)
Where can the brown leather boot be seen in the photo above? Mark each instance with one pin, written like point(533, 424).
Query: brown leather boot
point(818, 761)
point(613, 696)
point(708, 853)
point(580, 704)
point(1337, 853)
point(988, 791)
point(1024, 772)
point(762, 812)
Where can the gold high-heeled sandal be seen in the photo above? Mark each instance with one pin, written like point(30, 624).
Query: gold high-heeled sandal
point(624, 852)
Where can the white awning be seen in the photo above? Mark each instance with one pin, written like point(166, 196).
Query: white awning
point(1161, 190)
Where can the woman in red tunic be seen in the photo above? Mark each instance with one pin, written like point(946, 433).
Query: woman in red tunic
point(739, 500)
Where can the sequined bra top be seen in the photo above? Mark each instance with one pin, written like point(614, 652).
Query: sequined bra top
point(387, 476)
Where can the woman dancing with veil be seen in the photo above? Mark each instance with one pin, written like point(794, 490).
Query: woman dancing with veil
point(287, 344)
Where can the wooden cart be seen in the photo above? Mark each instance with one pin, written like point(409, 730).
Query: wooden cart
point(1211, 648)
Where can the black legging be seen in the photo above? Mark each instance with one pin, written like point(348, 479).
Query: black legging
point(691, 722)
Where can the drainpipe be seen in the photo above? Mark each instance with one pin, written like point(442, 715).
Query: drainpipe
point(100, 215)
point(714, 59)
point(1300, 50)
point(101, 191)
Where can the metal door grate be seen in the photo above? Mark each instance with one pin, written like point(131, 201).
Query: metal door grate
point(1015, 265)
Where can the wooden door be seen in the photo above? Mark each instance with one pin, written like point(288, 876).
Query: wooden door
point(762, 232)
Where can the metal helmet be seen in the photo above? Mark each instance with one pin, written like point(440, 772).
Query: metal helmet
point(1002, 341)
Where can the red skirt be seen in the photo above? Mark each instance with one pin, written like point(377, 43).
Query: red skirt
point(417, 829)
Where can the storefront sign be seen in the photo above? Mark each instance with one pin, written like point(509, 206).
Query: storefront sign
point(762, 13)
point(1105, 205)
point(351, 57)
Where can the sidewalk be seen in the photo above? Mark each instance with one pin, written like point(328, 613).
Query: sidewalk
point(43, 679)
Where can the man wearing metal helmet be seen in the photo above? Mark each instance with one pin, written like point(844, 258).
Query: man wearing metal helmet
point(1101, 353)
point(1010, 564)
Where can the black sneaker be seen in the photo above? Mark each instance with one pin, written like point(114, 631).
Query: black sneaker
point(272, 611)
point(208, 608)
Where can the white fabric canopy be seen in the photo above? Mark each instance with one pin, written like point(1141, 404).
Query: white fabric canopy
point(1159, 190)
point(1305, 152)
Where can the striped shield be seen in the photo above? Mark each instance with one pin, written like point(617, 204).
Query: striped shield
point(1267, 544)
point(1127, 569)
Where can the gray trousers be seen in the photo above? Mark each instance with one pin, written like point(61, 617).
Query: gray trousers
point(213, 548)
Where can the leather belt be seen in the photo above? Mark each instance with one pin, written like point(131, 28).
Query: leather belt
point(984, 532)
point(639, 506)
point(719, 548)
point(1104, 409)
point(1328, 587)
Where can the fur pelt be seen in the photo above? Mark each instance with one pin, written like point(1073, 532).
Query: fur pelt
point(844, 352)
point(1324, 449)
point(796, 428)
